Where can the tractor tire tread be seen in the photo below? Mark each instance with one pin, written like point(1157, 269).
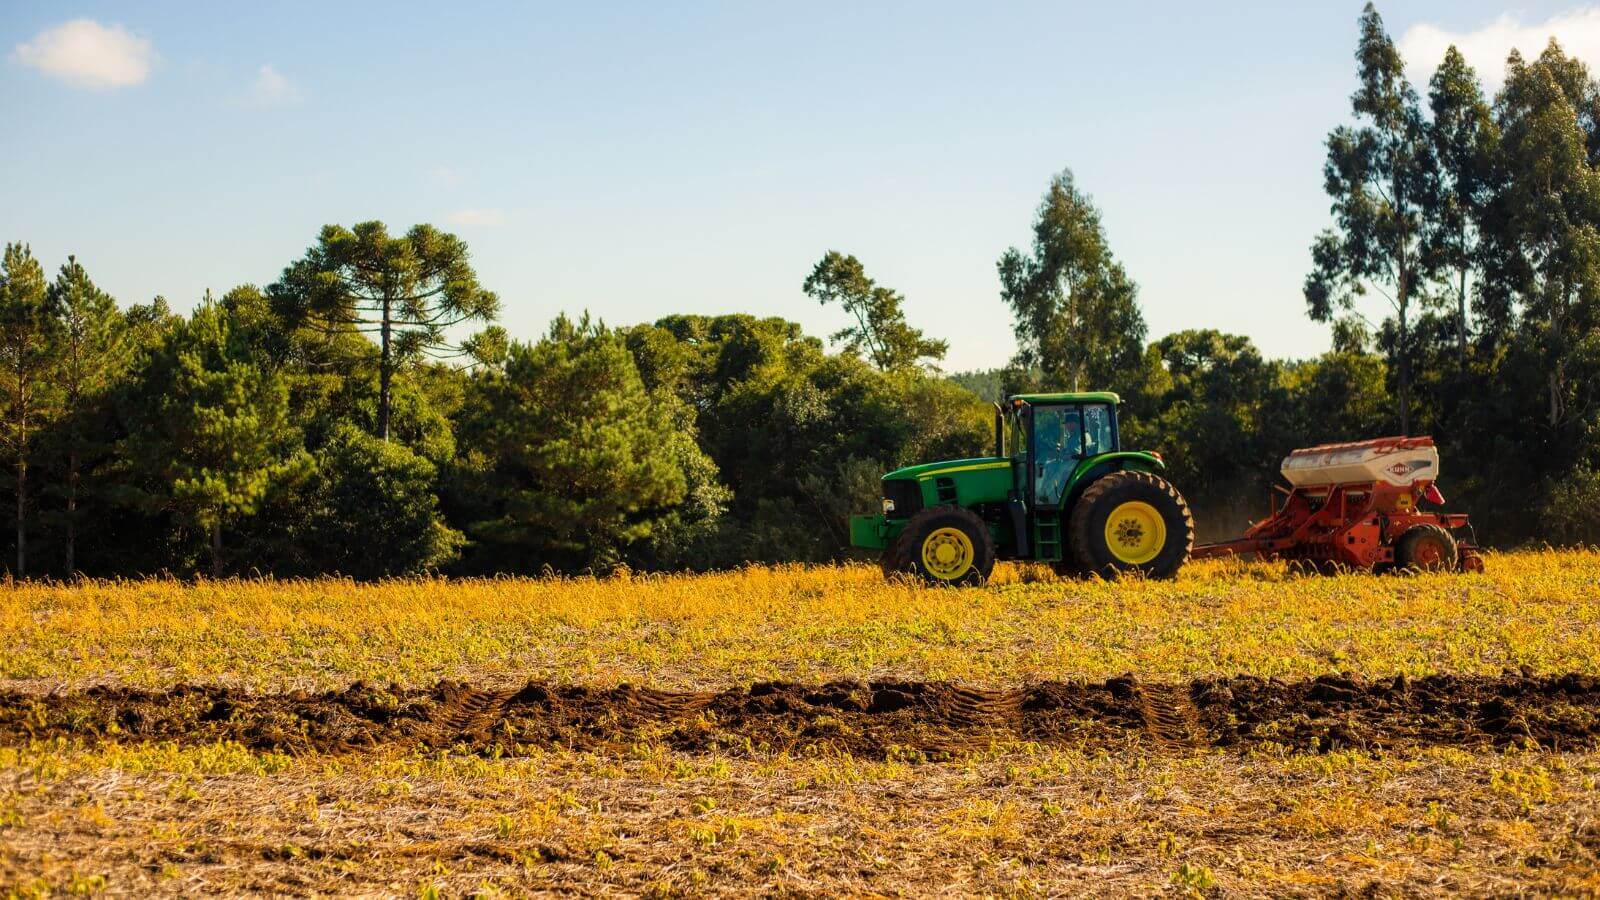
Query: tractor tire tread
point(901, 557)
point(1167, 564)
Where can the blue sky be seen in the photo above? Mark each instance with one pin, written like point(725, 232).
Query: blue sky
point(640, 160)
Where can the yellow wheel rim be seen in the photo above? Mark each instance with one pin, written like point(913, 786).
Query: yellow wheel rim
point(947, 553)
point(1135, 533)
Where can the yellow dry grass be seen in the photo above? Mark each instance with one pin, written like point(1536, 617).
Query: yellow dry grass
point(1536, 609)
point(1019, 820)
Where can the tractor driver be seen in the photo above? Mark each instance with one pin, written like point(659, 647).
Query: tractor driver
point(1060, 444)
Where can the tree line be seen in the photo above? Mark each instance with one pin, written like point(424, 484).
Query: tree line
point(364, 415)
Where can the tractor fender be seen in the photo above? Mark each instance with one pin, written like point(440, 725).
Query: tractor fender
point(1092, 470)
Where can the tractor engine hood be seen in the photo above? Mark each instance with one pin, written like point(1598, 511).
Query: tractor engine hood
point(947, 467)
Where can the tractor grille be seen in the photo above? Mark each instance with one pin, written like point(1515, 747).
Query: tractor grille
point(907, 497)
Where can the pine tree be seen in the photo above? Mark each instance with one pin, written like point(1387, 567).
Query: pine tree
point(28, 350)
point(90, 331)
point(216, 433)
point(581, 467)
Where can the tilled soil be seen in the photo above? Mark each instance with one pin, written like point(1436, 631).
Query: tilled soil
point(912, 720)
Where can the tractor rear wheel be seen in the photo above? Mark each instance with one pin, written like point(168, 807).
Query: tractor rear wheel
point(1131, 522)
point(943, 545)
point(1426, 548)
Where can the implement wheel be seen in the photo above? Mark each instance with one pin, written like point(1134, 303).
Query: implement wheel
point(1131, 522)
point(1426, 548)
point(943, 545)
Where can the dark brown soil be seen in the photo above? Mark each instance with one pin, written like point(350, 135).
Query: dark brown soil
point(913, 720)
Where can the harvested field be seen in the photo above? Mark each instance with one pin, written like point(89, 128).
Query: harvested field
point(930, 720)
point(808, 731)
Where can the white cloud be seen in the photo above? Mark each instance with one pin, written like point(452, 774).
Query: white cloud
point(271, 88)
point(1486, 48)
point(87, 54)
point(479, 218)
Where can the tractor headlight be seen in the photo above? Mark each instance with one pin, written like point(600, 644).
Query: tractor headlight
point(888, 506)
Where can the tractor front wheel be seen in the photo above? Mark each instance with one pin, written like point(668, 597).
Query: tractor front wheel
point(1426, 548)
point(1131, 522)
point(943, 545)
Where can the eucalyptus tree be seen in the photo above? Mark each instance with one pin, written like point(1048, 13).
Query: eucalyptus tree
point(408, 291)
point(1547, 214)
point(1077, 318)
point(1380, 176)
point(1464, 139)
point(881, 331)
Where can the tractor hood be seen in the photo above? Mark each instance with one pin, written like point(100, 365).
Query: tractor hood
point(947, 467)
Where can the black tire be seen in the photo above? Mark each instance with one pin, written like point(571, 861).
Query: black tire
point(1174, 533)
point(906, 555)
point(1426, 548)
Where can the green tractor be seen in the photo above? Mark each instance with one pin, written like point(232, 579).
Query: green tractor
point(1059, 489)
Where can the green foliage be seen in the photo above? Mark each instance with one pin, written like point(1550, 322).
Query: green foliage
point(1547, 217)
point(881, 329)
point(1076, 310)
point(1380, 176)
point(213, 433)
point(28, 355)
point(575, 468)
point(790, 428)
point(1465, 140)
point(409, 291)
point(1572, 507)
point(371, 511)
point(93, 348)
point(987, 384)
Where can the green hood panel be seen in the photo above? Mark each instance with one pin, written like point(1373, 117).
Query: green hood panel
point(949, 467)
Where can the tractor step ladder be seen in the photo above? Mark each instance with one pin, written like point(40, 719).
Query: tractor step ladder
point(1046, 538)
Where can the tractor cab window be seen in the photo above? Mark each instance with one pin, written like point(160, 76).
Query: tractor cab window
point(1057, 447)
point(1098, 434)
point(1016, 438)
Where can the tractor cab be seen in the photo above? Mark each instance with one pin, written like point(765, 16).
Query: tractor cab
point(1059, 489)
point(1048, 436)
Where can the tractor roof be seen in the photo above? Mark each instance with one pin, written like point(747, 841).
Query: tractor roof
point(1079, 397)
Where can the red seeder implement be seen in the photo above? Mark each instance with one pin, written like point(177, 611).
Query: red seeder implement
point(1357, 505)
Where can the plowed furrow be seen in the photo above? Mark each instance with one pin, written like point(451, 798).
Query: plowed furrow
point(1559, 712)
point(1169, 715)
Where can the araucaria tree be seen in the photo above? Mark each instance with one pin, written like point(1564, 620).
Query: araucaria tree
point(90, 333)
point(27, 354)
point(1077, 311)
point(881, 331)
point(408, 291)
point(1379, 174)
